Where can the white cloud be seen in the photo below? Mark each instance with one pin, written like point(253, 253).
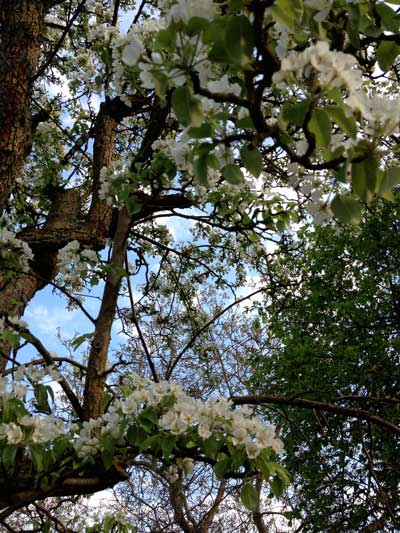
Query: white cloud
point(60, 88)
point(49, 319)
point(253, 283)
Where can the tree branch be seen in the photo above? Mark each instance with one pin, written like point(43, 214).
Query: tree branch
point(320, 406)
point(50, 361)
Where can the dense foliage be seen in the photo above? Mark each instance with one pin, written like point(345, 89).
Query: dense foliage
point(334, 339)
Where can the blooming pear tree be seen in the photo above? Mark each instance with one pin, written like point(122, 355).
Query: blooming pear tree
point(240, 117)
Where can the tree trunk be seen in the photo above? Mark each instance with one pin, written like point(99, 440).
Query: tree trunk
point(21, 31)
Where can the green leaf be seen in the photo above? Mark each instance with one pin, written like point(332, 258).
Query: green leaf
point(8, 456)
point(386, 54)
point(44, 483)
point(160, 81)
point(236, 5)
point(136, 435)
point(359, 181)
point(353, 25)
point(107, 459)
point(211, 447)
point(239, 39)
point(218, 53)
point(252, 160)
point(196, 25)
point(37, 455)
point(148, 419)
point(295, 113)
point(166, 39)
point(167, 445)
point(200, 170)
point(277, 486)
point(372, 31)
point(187, 109)
point(215, 31)
point(249, 497)
point(320, 125)
point(346, 209)
point(262, 464)
point(245, 123)
point(365, 177)
point(77, 341)
point(280, 470)
point(222, 466)
point(205, 130)
point(106, 57)
point(232, 174)
point(59, 447)
point(40, 393)
point(389, 19)
point(371, 168)
point(108, 523)
point(287, 12)
point(153, 443)
point(107, 443)
point(391, 177)
point(341, 174)
point(10, 337)
point(167, 401)
point(238, 458)
point(149, 414)
point(346, 123)
point(50, 393)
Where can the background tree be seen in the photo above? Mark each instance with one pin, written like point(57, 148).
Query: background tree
point(240, 118)
point(335, 339)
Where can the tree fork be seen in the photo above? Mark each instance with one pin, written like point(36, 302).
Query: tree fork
point(64, 224)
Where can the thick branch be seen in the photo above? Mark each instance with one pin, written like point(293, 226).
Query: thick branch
point(98, 357)
point(361, 414)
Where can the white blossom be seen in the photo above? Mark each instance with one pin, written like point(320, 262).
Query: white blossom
point(172, 474)
point(74, 265)
point(334, 69)
point(132, 51)
point(186, 9)
point(11, 433)
point(14, 250)
point(18, 322)
point(19, 391)
point(382, 114)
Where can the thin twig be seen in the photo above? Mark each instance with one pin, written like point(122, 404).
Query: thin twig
point(49, 359)
point(136, 322)
point(206, 326)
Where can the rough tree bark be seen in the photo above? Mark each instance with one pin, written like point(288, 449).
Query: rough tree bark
point(21, 32)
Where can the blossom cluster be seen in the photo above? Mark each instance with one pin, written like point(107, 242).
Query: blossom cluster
point(332, 69)
point(116, 182)
point(162, 410)
point(31, 375)
point(31, 430)
point(26, 429)
point(74, 264)
point(180, 415)
point(382, 114)
point(13, 251)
